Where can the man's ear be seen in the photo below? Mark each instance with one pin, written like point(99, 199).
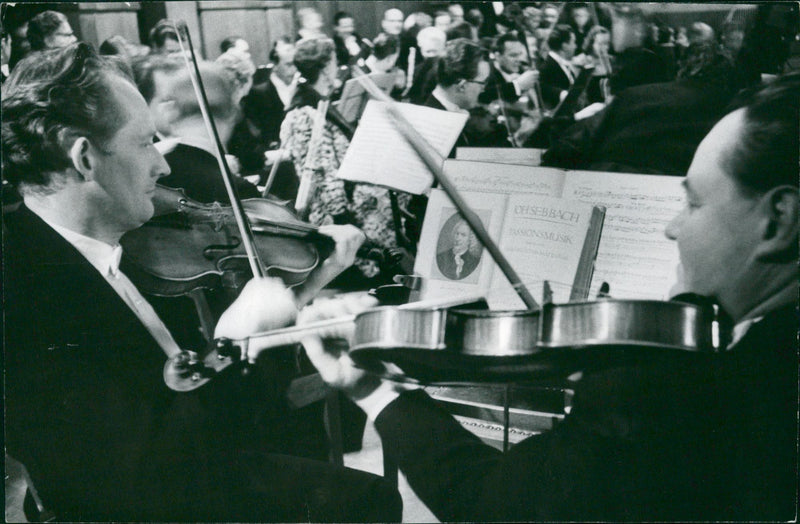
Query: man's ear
point(82, 158)
point(779, 236)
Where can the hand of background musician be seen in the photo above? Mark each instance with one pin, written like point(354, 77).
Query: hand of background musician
point(527, 80)
point(332, 360)
point(263, 305)
point(348, 239)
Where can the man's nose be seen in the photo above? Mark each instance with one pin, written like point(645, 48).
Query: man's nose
point(673, 228)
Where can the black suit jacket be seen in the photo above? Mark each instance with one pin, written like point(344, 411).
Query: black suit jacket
point(552, 80)
point(497, 87)
point(653, 128)
point(104, 439)
point(682, 437)
point(197, 172)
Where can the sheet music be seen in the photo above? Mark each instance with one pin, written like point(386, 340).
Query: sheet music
point(501, 155)
point(634, 257)
point(441, 219)
point(354, 97)
point(378, 153)
point(542, 238)
point(504, 178)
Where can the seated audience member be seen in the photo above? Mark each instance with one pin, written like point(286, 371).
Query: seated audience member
point(163, 38)
point(557, 73)
point(507, 79)
point(87, 410)
point(310, 23)
point(193, 161)
point(652, 128)
point(675, 437)
point(350, 47)
point(550, 15)
point(49, 30)
point(332, 200)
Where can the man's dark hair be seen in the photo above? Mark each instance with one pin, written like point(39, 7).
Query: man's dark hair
point(500, 43)
point(766, 153)
point(50, 99)
point(385, 45)
point(229, 43)
point(43, 25)
point(341, 15)
point(145, 68)
point(163, 30)
point(461, 29)
point(460, 62)
point(559, 36)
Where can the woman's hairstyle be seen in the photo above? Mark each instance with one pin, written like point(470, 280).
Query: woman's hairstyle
point(591, 36)
point(312, 55)
point(460, 62)
point(385, 45)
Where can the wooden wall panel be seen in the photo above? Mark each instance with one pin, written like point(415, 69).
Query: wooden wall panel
point(260, 23)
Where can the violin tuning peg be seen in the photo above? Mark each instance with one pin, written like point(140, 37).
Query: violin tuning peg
point(226, 349)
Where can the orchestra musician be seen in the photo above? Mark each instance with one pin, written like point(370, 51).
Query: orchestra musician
point(557, 73)
point(706, 437)
point(507, 79)
point(333, 201)
point(87, 410)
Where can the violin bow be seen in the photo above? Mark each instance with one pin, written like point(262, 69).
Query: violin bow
point(433, 161)
point(187, 50)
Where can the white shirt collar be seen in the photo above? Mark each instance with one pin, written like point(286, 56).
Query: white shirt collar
point(285, 91)
point(440, 95)
point(740, 330)
point(104, 257)
point(508, 77)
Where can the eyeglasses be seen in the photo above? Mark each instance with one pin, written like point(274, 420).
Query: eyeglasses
point(479, 82)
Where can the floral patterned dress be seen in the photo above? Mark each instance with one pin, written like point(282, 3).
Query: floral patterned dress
point(332, 200)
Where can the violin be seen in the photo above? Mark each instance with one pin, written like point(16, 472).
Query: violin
point(190, 245)
point(462, 342)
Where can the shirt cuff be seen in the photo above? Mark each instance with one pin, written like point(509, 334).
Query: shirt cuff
point(516, 88)
point(383, 395)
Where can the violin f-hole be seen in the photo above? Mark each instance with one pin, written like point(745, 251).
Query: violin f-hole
point(214, 251)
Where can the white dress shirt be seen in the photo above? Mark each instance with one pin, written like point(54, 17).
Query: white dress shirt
point(105, 259)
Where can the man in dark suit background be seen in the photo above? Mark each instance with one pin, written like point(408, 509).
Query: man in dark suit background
point(557, 73)
point(507, 79)
point(679, 436)
point(87, 410)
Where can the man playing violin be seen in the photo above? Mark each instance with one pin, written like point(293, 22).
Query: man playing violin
point(679, 436)
point(507, 81)
point(87, 410)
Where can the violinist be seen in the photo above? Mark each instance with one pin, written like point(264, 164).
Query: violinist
point(332, 201)
point(709, 437)
point(508, 80)
point(596, 45)
point(86, 407)
point(557, 73)
point(193, 162)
